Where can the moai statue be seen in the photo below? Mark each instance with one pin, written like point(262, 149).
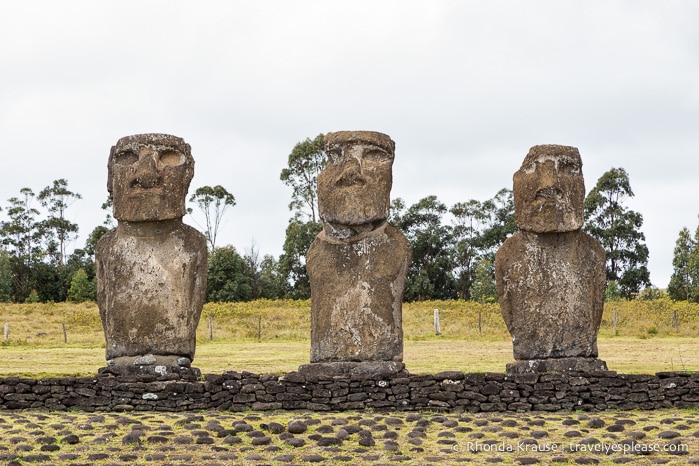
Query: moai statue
point(551, 275)
point(151, 268)
point(358, 263)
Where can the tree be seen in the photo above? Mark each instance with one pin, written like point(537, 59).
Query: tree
point(6, 282)
point(619, 231)
point(56, 199)
point(23, 235)
point(479, 228)
point(272, 285)
point(228, 276)
point(694, 269)
point(681, 284)
point(483, 288)
point(91, 242)
point(306, 160)
point(213, 202)
point(107, 206)
point(467, 225)
point(292, 262)
point(499, 224)
point(430, 275)
point(81, 287)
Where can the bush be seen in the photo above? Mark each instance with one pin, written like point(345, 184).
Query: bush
point(81, 288)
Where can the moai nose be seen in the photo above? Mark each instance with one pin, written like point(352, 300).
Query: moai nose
point(548, 173)
point(146, 175)
point(352, 172)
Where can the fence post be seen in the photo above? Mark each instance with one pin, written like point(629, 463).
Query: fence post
point(211, 328)
point(65, 333)
point(437, 329)
point(480, 330)
point(614, 322)
point(259, 328)
point(675, 321)
point(7, 331)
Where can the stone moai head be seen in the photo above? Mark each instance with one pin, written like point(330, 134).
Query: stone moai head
point(355, 186)
point(148, 177)
point(549, 190)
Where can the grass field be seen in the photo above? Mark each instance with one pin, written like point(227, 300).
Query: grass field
point(273, 337)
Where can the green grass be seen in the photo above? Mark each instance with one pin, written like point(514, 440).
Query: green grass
point(628, 355)
point(645, 340)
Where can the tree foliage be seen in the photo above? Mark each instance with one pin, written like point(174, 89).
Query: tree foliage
point(684, 282)
point(618, 229)
point(229, 278)
point(56, 199)
point(36, 248)
point(431, 239)
point(292, 262)
point(305, 162)
point(479, 228)
point(5, 277)
point(81, 287)
point(483, 288)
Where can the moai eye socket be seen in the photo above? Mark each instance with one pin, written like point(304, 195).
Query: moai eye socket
point(334, 156)
point(125, 157)
point(171, 158)
point(377, 156)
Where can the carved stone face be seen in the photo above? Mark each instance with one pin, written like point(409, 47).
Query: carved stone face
point(549, 190)
point(148, 177)
point(355, 186)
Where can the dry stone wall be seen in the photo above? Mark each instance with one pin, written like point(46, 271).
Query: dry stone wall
point(445, 391)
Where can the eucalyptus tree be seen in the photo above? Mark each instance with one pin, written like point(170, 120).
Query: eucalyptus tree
point(619, 230)
point(430, 275)
point(213, 202)
point(56, 199)
point(684, 282)
point(479, 228)
point(22, 237)
point(306, 160)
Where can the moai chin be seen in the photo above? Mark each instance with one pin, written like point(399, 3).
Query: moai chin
point(551, 275)
point(151, 268)
point(358, 263)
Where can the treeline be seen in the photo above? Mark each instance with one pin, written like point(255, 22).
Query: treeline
point(453, 253)
point(34, 263)
point(453, 246)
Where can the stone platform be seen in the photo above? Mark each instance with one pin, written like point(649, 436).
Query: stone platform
point(559, 365)
point(361, 370)
point(167, 366)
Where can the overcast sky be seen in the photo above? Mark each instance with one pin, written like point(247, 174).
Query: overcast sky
point(464, 88)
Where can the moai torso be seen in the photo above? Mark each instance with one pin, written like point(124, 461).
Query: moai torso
point(551, 289)
point(151, 284)
point(151, 269)
point(358, 264)
point(356, 296)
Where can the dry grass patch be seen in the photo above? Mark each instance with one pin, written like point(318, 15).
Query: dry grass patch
point(645, 340)
point(625, 355)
